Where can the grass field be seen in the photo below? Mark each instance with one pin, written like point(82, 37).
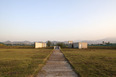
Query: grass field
point(92, 62)
point(102, 47)
point(22, 62)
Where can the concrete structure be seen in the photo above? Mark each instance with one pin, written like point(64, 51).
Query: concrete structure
point(57, 66)
point(40, 45)
point(57, 47)
point(70, 42)
point(80, 45)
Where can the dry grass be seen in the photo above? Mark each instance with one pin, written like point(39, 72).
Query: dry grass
point(93, 62)
point(22, 62)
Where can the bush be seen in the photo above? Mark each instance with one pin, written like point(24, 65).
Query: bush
point(62, 45)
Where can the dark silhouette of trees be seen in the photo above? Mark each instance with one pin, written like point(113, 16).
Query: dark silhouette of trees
point(61, 45)
point(49, 43)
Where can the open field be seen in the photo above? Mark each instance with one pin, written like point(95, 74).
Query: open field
point(102, 47)
point(92, 62)
point(22, 62)
point(2, 46)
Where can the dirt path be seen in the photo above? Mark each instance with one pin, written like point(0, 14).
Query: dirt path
point(57, 66)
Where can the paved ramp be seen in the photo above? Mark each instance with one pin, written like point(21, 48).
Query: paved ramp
point(57, 66)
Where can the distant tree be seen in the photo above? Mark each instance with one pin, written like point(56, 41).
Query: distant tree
point(49, 43)
point(108, 43)
point(52, 44)
point(103, 42)
point(61, 44)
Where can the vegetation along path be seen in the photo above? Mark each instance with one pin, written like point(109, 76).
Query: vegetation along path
point(57, 66)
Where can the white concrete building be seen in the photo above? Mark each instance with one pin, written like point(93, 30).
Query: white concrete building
point(80, 45)
point(70, 42)
point(40, 45)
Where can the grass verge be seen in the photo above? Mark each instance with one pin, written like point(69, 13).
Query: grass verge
point(92, 62)
point(22, 62)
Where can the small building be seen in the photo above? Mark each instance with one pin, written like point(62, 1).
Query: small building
point(40, 45)
point(79, 45)
point(57, 47)
point(70, 42)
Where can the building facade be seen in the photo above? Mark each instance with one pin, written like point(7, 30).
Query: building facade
point(80, 45)
point(40, 45)
point(70, 42)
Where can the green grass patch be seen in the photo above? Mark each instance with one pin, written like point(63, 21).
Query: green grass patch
point(22, 62)
point(92, 62)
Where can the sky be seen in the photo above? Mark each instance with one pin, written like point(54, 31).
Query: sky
point(57, 20)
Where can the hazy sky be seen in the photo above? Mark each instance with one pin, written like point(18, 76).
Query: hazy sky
point(41, 20)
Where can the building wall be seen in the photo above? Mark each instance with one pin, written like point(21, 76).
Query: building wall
point(40, 45)
point(70, 42)
point(82, 45)
point(44, 44)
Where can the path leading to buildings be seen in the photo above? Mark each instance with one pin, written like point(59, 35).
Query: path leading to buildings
point(57, 66)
